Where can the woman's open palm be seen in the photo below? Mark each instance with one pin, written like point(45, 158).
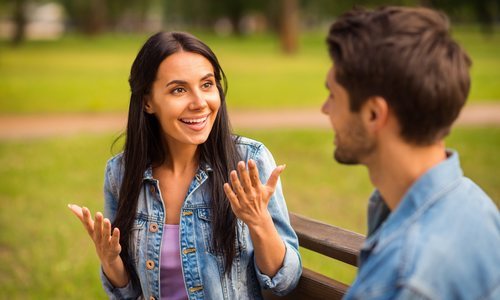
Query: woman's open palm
point(107, 244)
point(248, 196)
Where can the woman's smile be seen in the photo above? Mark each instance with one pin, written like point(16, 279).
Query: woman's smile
point(196, 123)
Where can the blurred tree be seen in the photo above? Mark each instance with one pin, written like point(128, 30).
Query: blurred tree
point(234, 10)
point(289, 29)
point(97, 16)
point(87, 16)
point(19, 21)
point(203, 14)
point(486, 12)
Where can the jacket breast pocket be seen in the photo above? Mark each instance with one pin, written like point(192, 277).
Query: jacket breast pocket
point(205, 218)
point(137, 236)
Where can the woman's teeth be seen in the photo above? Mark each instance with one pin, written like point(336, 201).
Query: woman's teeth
point(194, 121)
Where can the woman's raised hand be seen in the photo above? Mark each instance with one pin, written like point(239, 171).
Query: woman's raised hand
point(248, 196)
point(249, 199)
point(107, 244)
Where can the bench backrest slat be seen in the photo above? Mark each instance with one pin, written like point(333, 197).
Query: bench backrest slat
point(328, 240)
point(313, 286)
point(332, 241)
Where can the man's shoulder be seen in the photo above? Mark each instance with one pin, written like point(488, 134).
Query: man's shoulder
point(464, 208)
point(449, 246)
point(453, 245)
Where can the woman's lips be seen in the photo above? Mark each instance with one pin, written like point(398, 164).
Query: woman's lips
point(195, 124)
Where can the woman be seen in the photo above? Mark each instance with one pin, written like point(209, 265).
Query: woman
point(186, 224)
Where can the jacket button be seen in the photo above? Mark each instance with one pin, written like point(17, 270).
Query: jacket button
point(189, 250)
point(152, 189)
point(150, 264)
point(153, 227)
point(195, 289)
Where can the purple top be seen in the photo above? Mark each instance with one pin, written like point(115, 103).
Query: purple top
point(171, 279)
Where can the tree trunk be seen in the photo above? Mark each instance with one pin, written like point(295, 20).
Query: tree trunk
point(289, 26)
point(19, 21)
point(96, 17)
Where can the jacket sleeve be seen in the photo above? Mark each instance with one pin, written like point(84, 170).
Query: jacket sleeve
point(287, 277)
point(111, 190)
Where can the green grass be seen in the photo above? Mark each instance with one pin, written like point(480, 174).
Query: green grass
point(46, 254)
point(90, 74)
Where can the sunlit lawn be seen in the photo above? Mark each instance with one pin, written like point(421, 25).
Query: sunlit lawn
point(44, 251)
point(46, 254)
point(90, 74)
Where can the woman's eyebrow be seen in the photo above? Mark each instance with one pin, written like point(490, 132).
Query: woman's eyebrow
point(176, 82)
point(207, 76)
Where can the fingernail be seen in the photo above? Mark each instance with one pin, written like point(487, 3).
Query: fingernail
point(283, 166)
point(70, 205)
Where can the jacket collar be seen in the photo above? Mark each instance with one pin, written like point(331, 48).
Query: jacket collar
point(424, 192)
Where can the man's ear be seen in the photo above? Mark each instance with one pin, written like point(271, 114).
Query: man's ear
point(147, 104)
point(375, 113)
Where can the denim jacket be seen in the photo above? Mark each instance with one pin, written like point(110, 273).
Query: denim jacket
point(204, 276)
point(441, 242)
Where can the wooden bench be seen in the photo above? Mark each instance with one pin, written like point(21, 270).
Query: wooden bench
point(334, 242)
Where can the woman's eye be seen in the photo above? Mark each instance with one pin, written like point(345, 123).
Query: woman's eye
point(207, 85)
point(178, 90)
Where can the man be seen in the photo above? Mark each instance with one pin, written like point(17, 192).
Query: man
point(397, 83)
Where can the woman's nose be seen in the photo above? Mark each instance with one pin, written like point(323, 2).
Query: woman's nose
point(198, 102)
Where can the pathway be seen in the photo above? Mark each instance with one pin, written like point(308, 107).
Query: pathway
point(46, 125)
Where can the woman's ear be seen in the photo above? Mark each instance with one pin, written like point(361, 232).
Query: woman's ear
point(147, 105)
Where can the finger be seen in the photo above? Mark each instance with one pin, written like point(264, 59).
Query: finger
point(273, 179)
point(235, 183)
point(254, 174)
point(76, 210)
point(106, 231)
point(244, 177)
point(87, 221)
point(98, 227)
point(114, 243)
point(115, 238)
point(231, 196)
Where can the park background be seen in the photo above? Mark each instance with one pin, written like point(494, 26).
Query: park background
point(72, 57)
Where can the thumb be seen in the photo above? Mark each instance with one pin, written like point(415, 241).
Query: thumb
point(273, 179)
point(76, 210)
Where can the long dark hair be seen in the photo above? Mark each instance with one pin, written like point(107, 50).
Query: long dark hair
point(143, 145)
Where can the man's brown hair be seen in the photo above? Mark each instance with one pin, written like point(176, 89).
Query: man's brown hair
point(407, 56)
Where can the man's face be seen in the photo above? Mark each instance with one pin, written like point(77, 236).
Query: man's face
point(352, 142)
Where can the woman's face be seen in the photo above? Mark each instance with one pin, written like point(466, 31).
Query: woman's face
point(184, 98)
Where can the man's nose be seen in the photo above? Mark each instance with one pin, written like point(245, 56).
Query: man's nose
point(325, 107)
